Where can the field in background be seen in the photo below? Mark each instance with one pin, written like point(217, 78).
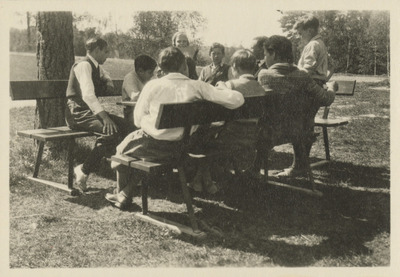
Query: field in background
point(349, 226)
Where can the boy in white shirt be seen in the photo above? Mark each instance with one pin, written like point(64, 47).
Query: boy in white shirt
point(149, 143)
point(135, 80)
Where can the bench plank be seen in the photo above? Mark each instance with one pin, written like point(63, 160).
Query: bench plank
point(329, 122)
point(346, 88)
point(45, 89)
point(149, 167)
point(53, 133)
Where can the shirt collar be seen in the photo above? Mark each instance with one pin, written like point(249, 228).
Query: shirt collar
point(96, 64)
point(214, 66)
point(318, 36)
point(279, 65)
point(176, 76)
point(247, 76)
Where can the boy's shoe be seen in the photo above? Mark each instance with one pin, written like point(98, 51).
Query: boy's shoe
point(119, 201)
point(292, 172)
point(80, 178)
point(211, 187)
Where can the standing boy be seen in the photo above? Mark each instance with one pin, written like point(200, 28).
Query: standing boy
point(135, 80)
point(150, 143)
point(87, 81)
point(217, 70)
point(314, 57)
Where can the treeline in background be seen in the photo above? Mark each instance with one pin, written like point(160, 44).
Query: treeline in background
point(358, 41)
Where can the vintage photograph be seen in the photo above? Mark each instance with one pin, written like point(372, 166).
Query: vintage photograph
point(222, 135)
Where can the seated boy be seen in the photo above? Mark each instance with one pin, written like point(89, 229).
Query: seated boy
point(242, 134)
point(151, 144)
point(217, 70)
point(239, 135)
point(135, 80)
point(258, 51)
point(283, 76)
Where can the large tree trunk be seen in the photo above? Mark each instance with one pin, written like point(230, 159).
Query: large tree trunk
point(55, 56)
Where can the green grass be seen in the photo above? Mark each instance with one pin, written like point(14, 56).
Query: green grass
point(349, 226)
point(24, 67)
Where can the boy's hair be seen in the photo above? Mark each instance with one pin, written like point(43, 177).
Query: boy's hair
point(176, 35)
point(259, 41)
point(217, 45)
point(307, 22)
point(244, 59)
point(145, 62)
point(257, 46)
point(171, 59)
point(95, 42)
point(281, 46)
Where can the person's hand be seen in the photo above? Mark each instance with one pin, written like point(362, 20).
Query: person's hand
point(109, 127)
point(333, 86)
point(220, 84)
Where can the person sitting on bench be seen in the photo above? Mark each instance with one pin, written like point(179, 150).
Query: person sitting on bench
point(86, 83)
point(151, 144)
point(217, 70)
point(258, 51)
point(284, 77)
point(135, 80)
point(240, 136)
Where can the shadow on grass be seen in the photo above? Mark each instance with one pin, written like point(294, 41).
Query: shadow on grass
point(93, 198)
point(291, 228)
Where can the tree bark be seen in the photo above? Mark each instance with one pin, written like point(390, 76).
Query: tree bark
point(55, 56)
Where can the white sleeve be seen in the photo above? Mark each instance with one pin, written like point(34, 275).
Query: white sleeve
point(228, 98)
point(83, 72)
point(310, 58)
point(142, 107)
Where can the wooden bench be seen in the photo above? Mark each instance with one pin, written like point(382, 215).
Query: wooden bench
point(198, 113)
point(185, 115)
point(51, 89)
point(346, 88)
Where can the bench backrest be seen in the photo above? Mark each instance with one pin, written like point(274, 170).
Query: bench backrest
point(39, 89)
point(346, 88)
point(275, 110)
point(203, 112)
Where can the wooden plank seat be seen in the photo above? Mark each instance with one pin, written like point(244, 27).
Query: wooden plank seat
point(51, 89)
point(186, 115)
point(53, 133)
point(346, 88)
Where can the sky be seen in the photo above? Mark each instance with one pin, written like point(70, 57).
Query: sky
point(231, 25)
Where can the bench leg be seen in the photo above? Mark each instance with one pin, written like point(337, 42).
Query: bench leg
point(308, 165)
point(71, 144)
point(326, 143)
point(38, 159)
point(188, 199)
point(265, 156)
point(145, 189)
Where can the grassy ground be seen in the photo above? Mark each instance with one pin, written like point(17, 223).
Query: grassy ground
point(349, 226)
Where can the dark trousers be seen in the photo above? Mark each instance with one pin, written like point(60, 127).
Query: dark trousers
point(79, 118)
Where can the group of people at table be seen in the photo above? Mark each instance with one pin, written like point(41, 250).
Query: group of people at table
point(174, 79)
